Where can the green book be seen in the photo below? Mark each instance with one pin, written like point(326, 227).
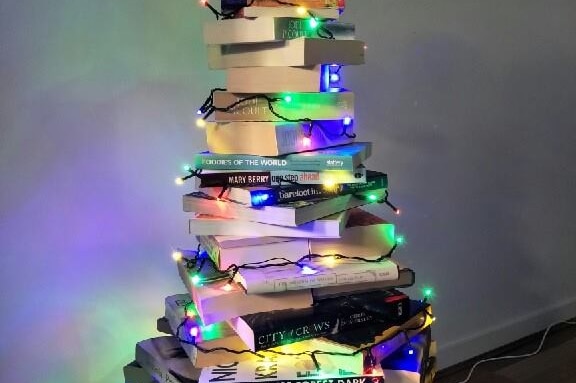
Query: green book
point(344, 157)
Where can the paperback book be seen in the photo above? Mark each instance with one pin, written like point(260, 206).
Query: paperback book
point(287, 11)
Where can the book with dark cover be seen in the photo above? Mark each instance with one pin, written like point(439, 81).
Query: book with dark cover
point(330, 316)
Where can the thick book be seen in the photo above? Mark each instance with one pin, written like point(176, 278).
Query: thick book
point(215, 336)
point(289, 214)
point(318, 106)
point(265, 29)
point(297, 52)
point(221, 301)
point(266, 196)
point(345, 157)
point(317, 78)
point(269, 138)
point(226, 178)
point(276, 328)
point(339, 367)
point(134, 373)
point(331, 226)
point(316, 274)
point(366, 235)
point(165, 360)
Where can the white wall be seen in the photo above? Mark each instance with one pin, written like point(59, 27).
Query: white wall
point(470, 105)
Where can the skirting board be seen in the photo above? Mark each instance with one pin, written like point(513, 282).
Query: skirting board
point(491, 338)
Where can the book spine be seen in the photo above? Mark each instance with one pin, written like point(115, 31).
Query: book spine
point(273, 3)
point(292, 279)
point(314, 106)
point(318, 162)
point(275, 178)
point(323, 322)
point(308, 192)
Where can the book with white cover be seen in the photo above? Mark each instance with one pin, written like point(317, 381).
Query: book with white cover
point(321, 13)
point(326, 227)
point(293, 278)
point(264, 29)
point(290, 214)
point(296, 52)
point(366, 236)
point(275, 79)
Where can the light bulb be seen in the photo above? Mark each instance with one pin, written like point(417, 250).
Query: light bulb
point(201, 123)
point(347, 121)
point(306, 142)
point(194, 331)
point(308, 271)
point(179, 181)
point(334, 77)
point(301, 11)
point(288, 98)
point(227, 287)
point(177, 256)
point(195, 279)
point(372, 197)
point(313, 23)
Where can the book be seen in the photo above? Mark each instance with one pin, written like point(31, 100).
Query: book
point(365, 235)
point(296, 52)
point(214, 336)
point(278, 79)
point(317, 106)
point(219, 301)
point(165, 361)
point(269, 138)
point(294, 278)
point(134, 373)
point(341, 368)
point(231, 241)
point(289, 214)
point(221, 178)
point(276, 328)
point(265, 29)
point(275, 11)
point(225, 4)
point(268, 196)
point(345, 157)
point(330, 226)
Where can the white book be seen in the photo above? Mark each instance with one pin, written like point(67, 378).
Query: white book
point(292, 277)
point(321, 13)
point(296, 52)
point(327, 227)
point(276, 79)
point(265, 29)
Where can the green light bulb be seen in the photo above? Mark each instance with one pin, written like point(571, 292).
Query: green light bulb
point(313, 23)
point(288, 98)
point(196, 279)
point(373, 198)
point(428, 292)
point(400, 240)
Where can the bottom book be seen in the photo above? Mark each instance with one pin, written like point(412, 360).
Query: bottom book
point(166, 362)
point(134, 373)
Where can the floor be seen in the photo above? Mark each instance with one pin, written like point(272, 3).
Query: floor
point(556, 362)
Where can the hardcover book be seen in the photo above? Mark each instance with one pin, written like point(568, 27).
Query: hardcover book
point(268, 196)
point(330, 316)
point(294, 278)
point(289, 214)
point(297, 52)
point(366, 236)
point(268, 138)
point(275, 11)
point(225, 4)
point(220, 301)
point(345, 157)
point(265, 29)
point(331, 226)
point(294, 106)
point(239, 178)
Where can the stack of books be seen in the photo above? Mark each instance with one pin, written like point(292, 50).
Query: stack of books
point(292, 280)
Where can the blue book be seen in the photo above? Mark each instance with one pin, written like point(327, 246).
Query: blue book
point(344, 157)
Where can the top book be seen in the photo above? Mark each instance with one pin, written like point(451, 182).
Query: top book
point(328, 9)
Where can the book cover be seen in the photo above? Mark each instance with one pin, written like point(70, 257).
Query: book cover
point(297, 368)
point(345, 157)
point(273, 3)
point(275, 328)
point(288, 11)
point(365, 235)
point(268, 138)
point(319, 107)
point(297, 52)
point(294, 278)
point(238, 178)
point(289, 214)
point(220, 301)
point(213, 336)
point(265, 29)
point(165, 360)
point(331, 226)
point(268, 196)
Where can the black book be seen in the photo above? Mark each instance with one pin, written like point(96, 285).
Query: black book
point(265, 330)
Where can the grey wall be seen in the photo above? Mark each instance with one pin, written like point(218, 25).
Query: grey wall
point(470, 105)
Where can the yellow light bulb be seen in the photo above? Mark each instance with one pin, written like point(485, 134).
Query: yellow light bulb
point(177, 255)
point(329, 184)
point(201, 123)
point(330, 261)
point(179, 181)
point(301, 11)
